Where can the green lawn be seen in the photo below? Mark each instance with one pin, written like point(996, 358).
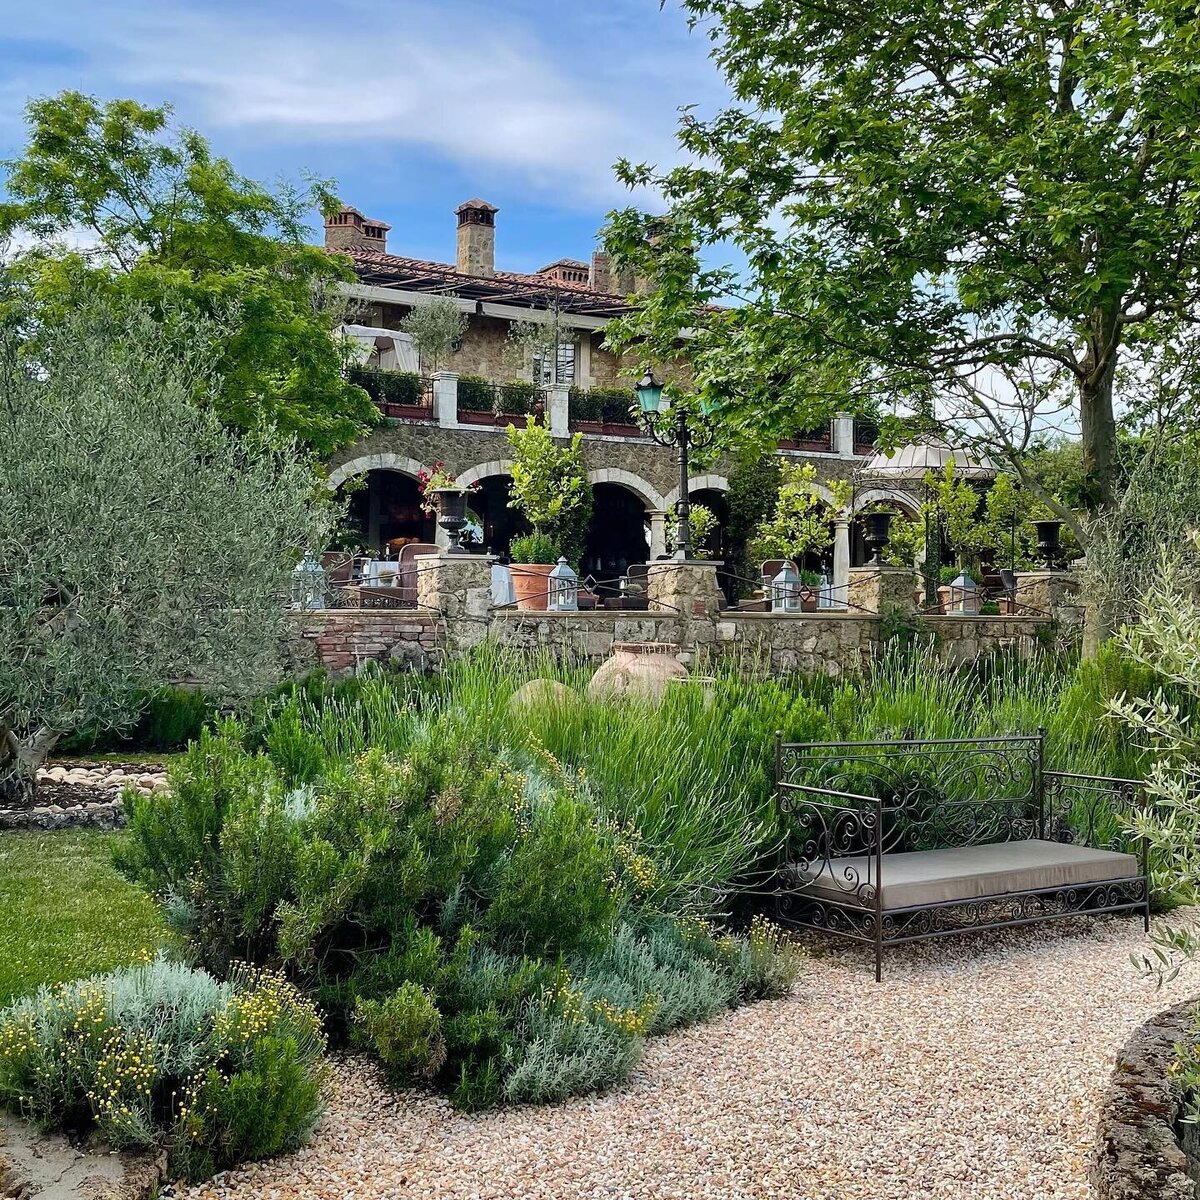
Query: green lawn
point(65, 912)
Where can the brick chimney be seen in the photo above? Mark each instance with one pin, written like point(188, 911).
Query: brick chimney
point(600, 276)
point(476, 238)
point(348, 229)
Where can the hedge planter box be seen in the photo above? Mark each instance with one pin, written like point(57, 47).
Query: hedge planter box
point(471, 416)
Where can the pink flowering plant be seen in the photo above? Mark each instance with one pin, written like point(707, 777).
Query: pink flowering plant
point(429, 479)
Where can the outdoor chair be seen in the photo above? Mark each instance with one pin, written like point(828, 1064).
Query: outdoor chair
point(903, 841)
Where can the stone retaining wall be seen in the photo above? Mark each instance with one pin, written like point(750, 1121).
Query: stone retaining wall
point(1137, 1155)
point(829, 642)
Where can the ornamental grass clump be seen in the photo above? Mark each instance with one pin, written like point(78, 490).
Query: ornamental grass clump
point(162, 1055)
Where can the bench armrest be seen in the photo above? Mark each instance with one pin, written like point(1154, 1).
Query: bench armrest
point(826, 827)
point(1093, 810)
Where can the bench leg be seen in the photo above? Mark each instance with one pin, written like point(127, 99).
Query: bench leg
point(1146, 914)
point(878, 961)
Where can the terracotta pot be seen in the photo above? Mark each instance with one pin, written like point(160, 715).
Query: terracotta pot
point(637, 671)
point(531, 585)
point(943, 599)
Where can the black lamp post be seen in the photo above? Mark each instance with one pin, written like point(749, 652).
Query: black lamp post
point(685, 431)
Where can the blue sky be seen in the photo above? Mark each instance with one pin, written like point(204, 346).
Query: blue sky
point(411, 105)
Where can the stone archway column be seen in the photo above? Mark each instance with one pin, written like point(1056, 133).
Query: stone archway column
point(841, 560)
point(658, 532)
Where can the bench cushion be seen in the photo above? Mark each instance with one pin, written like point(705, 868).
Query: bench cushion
point(924, 877)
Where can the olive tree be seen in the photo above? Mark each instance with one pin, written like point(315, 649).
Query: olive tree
point(141, 542)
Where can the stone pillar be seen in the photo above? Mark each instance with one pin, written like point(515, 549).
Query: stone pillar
point(458, 588)
point(882, 589)
point(843, 434)
point(1048, 594)
point(445, 398)
point(557, 417)
point(658, 533)
point(686, 589)
point(841, 559)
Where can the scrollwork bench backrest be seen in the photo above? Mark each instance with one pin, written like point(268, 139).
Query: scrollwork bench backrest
point(922, 795)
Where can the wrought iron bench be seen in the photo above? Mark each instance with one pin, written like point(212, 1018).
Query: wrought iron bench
point(902, 841)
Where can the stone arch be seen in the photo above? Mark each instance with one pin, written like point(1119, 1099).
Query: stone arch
point(647, 492)
point(893, 496)
point(373, 462)
point(499, 466)
point(698, 483)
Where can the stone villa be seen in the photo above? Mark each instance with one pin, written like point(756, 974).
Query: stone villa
point(634, 480)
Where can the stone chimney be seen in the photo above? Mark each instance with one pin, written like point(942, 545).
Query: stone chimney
point(476, 238)
point(348, 229)
point(600, 276)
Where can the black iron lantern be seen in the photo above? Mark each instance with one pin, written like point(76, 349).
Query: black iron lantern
point(1048, 534)
point(877, 534)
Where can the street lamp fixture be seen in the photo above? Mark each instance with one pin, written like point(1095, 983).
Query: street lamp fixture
point(686, 431)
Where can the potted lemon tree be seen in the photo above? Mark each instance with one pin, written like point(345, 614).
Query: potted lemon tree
point(550, 488)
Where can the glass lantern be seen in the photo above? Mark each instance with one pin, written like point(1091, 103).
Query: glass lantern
point(563, 595)
point(308, 583)
point(964, 596)
point(785, 590)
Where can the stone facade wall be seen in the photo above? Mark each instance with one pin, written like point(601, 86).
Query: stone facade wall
point(831, 643)
point(463, 449)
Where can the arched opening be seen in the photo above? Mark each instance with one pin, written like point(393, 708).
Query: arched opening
point(617, 536)
point(713, 544)
point(384, 513)
point(489, 505)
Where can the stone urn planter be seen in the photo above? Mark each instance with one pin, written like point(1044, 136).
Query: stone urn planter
point(531, 585)
point(452, 516)
point(637, 671)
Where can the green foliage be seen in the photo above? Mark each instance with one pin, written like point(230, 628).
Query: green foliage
point(549, 485)
point(436, 326)
point(405, 1030)
point(801, 521)
point(610, 405)
point(906, 218)
point(116, 581)
point(180, 231)
point(534, 548)
point(169, 718)
point(704, 528)
point(476, 394)
point(389, 387)
point(165, 1055)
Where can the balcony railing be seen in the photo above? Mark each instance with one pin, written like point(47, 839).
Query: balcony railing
point(399, 395)
point(812, 441)
point(603, 410)
point(865, 435)
point(481, 402)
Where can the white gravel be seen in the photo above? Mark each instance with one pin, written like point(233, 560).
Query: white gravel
point(973, 1071)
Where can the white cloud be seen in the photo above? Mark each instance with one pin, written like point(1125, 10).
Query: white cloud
point(465, 81)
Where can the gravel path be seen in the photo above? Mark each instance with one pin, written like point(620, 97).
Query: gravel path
point(972, 1072)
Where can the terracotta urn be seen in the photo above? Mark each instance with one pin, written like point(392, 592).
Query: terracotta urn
point(531, 585)
point(540, 694)
point(637, 671)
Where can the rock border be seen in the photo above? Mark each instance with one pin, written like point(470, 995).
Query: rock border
point(1137, 1154)
point(100, 814)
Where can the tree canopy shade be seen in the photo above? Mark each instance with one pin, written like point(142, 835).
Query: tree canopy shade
point(141, 541)
point(173, 225)
point(933, 198)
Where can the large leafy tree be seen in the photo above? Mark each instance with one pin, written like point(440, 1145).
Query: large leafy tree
point(170, 224)
point(142, 542)
point(983, 204)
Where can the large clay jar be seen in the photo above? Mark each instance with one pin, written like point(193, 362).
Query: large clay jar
point(531, 585)
point(637, 671)
point(542, 693)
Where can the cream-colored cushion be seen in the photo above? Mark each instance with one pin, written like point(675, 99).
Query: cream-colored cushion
point(923, 877)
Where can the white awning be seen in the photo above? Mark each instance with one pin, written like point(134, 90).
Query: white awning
point(388, 349)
